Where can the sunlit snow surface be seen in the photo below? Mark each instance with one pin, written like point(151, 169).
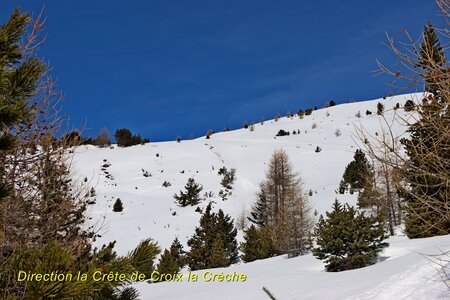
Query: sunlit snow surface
point(149, 207)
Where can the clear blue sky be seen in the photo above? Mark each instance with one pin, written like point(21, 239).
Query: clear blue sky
point(168, 68)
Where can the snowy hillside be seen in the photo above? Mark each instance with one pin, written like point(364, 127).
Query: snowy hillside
point(150, 210)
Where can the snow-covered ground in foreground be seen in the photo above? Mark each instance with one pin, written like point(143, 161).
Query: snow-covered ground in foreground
point(150, 210)
point(402, 273)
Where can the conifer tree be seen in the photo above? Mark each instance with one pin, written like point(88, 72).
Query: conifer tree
point(347, 239)
point(432, 58)
point(225, 227)
point(192, 194)
point(357, 172)
point(42, 209)
point(260, 212)
point(118, 206)
point(19, 76)
point(257, 244)
point(201, 243)
point(427, 171)
point(123, 137)
point(172, 260)
point(218, 257)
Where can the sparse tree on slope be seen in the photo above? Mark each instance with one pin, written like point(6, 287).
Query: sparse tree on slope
point(192, 194)
point(356, 173)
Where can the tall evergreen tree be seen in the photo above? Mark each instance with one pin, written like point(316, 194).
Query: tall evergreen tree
point(427, 172)
point(225, 226)
point(201, 243)
point(432, 58)
point(260, 213)
point(347, 239)
point(192, 194)
point(172, 260)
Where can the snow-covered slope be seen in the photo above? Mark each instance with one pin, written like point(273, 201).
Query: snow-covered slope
point(150, 210)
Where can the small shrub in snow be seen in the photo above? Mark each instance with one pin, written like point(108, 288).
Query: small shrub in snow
point(337, 132)
point(380, 108)
point(277, 117)
point(228, 177)
point(209, 134)
point(409, 105)
point(318, 149)
point(146, 173)
point(118, 206)
point(281, 132)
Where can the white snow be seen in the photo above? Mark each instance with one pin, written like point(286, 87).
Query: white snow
point(149, 207)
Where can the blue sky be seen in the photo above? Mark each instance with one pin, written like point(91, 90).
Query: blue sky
point(169, 68)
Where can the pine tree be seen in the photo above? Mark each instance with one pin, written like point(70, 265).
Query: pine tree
point(427, 173)
point(178, 252)
point(357, 172)
point(172, 260)
point(225, 227)
point(432, 58)
point(42, 209)
point(260, 213)
point(118, 206)
point(201, 243)
point(123, 137)
point(19, 76)
point(192, 194)
point(218, 257)
point(143, 255)
point(257, 244)
point(347, 239)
